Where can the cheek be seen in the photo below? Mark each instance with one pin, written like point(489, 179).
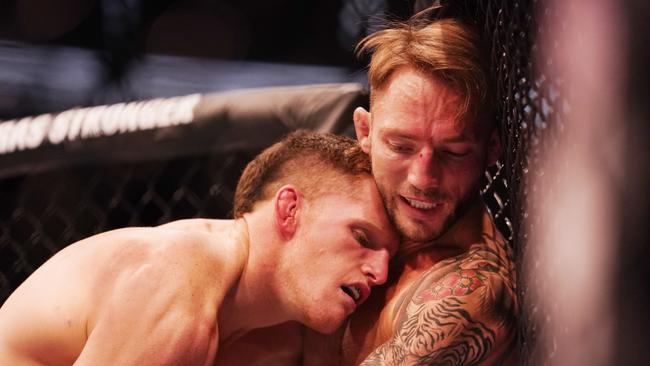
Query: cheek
point(463, 177)
point(471, 166)
point(387, 177)
point(387, 155)
point(388, 165)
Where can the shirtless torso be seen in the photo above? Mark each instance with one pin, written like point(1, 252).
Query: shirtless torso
point(103, 286)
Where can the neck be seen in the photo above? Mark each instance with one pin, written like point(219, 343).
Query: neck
point(467, 230)
point(253, 301)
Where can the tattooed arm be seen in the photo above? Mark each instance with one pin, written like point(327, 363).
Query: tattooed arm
point(460, 314)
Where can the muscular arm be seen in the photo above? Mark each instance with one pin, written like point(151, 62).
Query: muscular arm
point(460, 313)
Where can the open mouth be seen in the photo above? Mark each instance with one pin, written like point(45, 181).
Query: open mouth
point(353, 291)
point(420, 205)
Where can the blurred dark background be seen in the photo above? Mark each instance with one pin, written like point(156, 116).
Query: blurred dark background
point(312, 32)
point(57, 55)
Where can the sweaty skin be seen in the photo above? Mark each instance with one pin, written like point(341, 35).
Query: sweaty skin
point(126, 297)
point(460, 311)
point(453, 300)
point(450, 298)
point(443, 306)
point(176, 294)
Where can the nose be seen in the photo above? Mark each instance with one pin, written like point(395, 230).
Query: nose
point(423, 171)
point(376, 269)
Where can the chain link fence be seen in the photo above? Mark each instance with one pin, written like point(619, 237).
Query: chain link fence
point(530, 112)
point(42, 213)
point(528, 105)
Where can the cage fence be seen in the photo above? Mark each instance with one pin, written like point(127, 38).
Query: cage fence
point(44, 212)
point(529, 110)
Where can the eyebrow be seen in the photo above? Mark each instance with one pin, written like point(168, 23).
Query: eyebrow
point(396, 132)
point(458, 138)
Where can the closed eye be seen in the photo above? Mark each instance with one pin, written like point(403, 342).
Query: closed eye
point(361, 238)
point(457, 154)
point(399, 148)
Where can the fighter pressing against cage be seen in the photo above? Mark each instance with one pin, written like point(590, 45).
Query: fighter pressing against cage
point(450, 297)
point(309, 239)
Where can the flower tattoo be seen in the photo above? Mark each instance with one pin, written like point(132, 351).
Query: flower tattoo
point(457, 283)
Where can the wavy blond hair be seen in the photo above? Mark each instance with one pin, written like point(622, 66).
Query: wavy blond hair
point(446, 49)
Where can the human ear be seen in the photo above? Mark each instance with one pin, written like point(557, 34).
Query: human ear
point(361, 119)
point(286, 208)
point(494, 147)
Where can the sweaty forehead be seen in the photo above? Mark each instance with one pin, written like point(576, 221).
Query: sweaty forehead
point(413, 97)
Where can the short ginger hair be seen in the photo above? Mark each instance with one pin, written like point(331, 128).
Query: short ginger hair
point(313, 162)
point(446, 49)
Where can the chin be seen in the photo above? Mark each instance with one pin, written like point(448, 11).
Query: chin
point(327, 324)
point(429, 229)
point(329, 328)
point(418, 232)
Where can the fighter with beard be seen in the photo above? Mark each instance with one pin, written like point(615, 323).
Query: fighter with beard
point(450, 298)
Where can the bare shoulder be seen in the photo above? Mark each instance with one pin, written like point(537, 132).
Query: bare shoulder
point(122, 284)
point(461, 311)
point(159, 295)
point(212, 239)
point(484, 275)
point(156, 260)
point(48, 313)
point(172, 260)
